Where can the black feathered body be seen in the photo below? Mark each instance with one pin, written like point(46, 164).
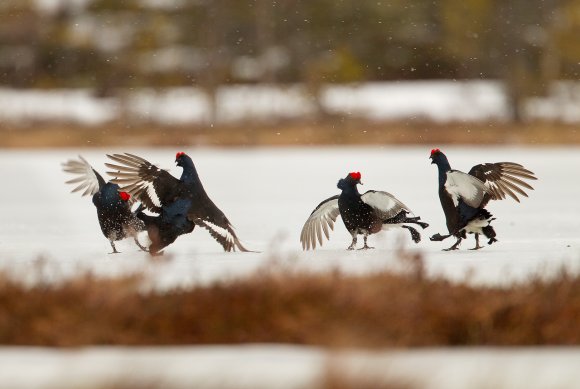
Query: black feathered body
point(113, 211)
point(114, 214)
point(180, 204)
point(358, 217)
point(364, 214)
point(464, 196)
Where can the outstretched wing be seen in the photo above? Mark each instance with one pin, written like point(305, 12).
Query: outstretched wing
point(154, 187)
point(87, 178)
point(385, 204)
point(323, 216)
point(468, 188)
point(503, 178)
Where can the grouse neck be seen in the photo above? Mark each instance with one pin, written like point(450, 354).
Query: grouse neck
point(350, 191)
point(443, 166)
point(189, 174)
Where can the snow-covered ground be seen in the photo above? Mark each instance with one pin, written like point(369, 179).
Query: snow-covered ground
point(440, 101)
point(268, 194)
point(286, 367)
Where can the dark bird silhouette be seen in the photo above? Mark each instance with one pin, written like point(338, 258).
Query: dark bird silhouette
point(113, 206)
point(179, 204)
point(364, 214)
point(464, 196)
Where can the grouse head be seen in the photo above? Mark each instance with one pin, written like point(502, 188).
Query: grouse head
point(181, 158)
point(437, 157)
point(350, 181)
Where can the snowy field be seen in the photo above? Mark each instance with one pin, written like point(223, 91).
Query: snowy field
point(268, 194)
point(440, 101)
point(285, 367)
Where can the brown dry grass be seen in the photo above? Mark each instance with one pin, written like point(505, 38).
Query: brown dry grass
point(329, 309)
point(328, 132)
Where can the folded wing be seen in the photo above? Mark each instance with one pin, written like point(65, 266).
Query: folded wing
point(223, 234)
point(319, 222)
point(385, 204)
point(466, 187)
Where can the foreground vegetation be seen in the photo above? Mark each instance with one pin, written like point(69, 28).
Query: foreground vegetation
point(285, 306)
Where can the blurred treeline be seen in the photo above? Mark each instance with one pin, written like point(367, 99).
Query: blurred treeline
point(109, 44)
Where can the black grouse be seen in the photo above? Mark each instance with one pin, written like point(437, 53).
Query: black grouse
point(179, 204)
point(113, 206)
point(464, 196)
point(364, 214)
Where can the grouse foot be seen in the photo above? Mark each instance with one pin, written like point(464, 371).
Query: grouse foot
point(143, 248)
point(455, 246)
point(438, 237)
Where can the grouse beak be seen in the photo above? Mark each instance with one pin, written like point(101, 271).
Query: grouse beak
point(431, 158)
point(360, 182)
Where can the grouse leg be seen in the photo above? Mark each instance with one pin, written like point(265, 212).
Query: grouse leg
point(353, 244)
point(477, 246)
point(366, 247)
point(414, 234)
point(455, 246)
point(114, 248)
point(143, 248)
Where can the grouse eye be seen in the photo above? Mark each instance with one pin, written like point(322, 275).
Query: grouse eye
point(124, 196)
point(355, 176)
point(435, 151)
point(179, 154)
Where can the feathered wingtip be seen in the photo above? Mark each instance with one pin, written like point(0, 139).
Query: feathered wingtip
point(87, 180)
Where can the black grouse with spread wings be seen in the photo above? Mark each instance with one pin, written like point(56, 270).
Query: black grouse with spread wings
point(364, 214)
point(180, 204)
point(113, 206)
point(464, 196)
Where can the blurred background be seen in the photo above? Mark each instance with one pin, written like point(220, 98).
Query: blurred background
point(288, 72)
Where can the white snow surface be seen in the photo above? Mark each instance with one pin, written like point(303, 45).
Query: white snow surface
point(440, 101)
point(268, 193)
point(286, 367)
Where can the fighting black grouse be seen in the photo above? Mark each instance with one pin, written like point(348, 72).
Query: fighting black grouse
point(464, 196)
point(179, 204)
point(113, 206)
point(364, 214)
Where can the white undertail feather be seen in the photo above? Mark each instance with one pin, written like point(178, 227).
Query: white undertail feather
point(476, 225)
point(86, 180)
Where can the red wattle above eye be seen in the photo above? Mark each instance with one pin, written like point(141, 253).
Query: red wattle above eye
point(355, 176)
point(124, 196)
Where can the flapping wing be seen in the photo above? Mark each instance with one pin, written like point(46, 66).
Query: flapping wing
point(87, 180)
point(385, 204)
point(503, 178)
point(323, 217)
point(466, 187)
point(152, 186)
